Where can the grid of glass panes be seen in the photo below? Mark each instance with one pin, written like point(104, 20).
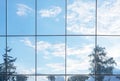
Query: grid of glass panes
point(53, 39)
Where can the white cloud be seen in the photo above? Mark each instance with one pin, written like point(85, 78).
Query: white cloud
point(42, 78)
point(23, 10)
point(52, 67)
point(42, 45)
point(77, 28)
point(109, 17)
point(50, 50)
point(27, 43)
point(23, 69)
point(80, 17)
point(56, 49)
point(26, 71)
point(47, 48)
point(59, 50)
point(79, 62)
point(77, 66)
point(50, 12)
point(78, 52)
point(56, 67)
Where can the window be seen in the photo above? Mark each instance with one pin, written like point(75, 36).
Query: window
point(59, 40)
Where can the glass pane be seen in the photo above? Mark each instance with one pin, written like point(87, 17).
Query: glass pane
point(112, 50)
point(50, 78)
point(78, 50)
point(21, 17)
point(23, 49)
point(51, 19)
point(2, 17)
point(81, 17)
point(51, 55)
point(109, 17)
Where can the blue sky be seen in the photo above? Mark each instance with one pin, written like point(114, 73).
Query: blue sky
point(2, 17)
point(51, 21)
point(51, 17)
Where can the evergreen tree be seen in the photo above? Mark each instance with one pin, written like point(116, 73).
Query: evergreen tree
point(100, 63)
point(7, 67)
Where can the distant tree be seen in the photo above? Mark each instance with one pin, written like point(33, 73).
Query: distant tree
point(78, 78)
point(118, 77)
point(7, 68)
point(21, 78)
point(100, 63)
point(51, 78)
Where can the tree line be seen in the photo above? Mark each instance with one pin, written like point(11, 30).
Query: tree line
point(8, 69)
point(100, 64)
